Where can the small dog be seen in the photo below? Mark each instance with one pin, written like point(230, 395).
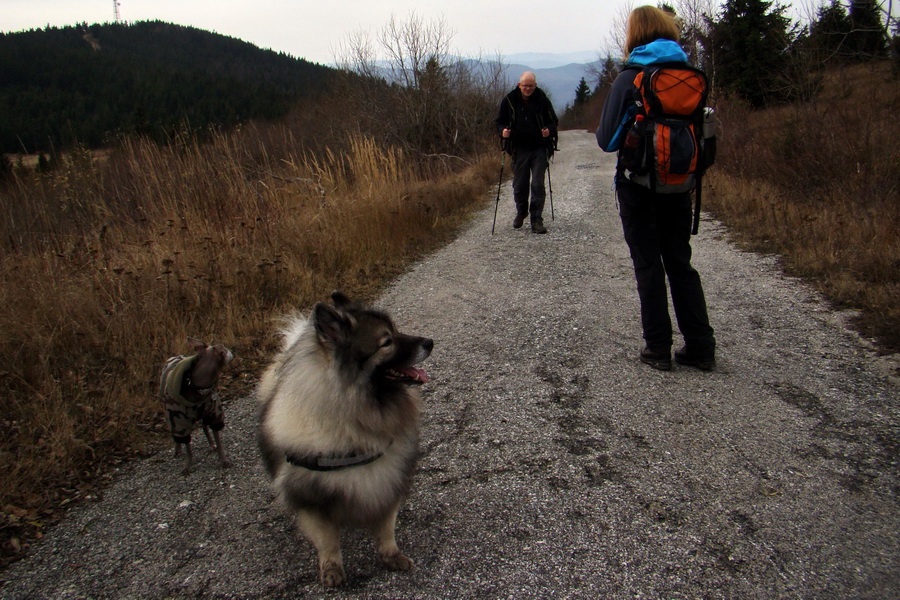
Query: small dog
point(339, 427)
point(187, 389)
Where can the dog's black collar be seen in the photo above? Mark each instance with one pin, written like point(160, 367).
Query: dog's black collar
point(199, 390)
point(332, 463)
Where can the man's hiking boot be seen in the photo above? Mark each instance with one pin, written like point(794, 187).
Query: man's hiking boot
point(704, 363)
point(538, 227)
point(517, 222)
point(657, 360)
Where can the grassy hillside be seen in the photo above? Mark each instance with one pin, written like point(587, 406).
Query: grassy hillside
point(818, 183)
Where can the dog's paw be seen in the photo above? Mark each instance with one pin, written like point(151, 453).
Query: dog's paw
point(332, 574)
point(397, 561)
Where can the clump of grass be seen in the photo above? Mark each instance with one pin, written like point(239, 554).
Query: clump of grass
point(108, 268)
point(817, 183)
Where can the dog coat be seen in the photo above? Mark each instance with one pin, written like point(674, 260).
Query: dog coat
point(183, 413)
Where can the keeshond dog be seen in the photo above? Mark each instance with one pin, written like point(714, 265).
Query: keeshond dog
point(339, 427)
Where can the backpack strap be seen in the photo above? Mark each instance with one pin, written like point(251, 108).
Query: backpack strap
point(506, 144)
point(550, 143)
point(512, 112)
point(645, 101)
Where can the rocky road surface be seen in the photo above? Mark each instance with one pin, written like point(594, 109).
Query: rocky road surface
point(554, 464)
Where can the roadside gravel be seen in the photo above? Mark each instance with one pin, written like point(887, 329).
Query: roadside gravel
point(554, 464)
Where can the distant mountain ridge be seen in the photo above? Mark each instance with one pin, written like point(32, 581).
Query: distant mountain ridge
point(549, 60)
point(557, 74)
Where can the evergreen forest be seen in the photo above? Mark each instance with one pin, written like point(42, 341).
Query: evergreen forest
point(86, 84)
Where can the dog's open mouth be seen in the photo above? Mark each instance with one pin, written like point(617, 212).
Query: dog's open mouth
point(410, 375)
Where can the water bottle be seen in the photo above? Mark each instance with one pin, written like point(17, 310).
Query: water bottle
point(709, 137)
point(634, 135)
point(632, 156)
point(709, 122)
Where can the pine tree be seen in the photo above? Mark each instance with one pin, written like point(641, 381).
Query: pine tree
point(608, 72)
point(829, 32)
point(582, 92)
point(753, 40)
point(867, 36)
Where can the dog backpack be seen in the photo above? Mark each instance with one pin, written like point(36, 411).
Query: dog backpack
point(666, 148)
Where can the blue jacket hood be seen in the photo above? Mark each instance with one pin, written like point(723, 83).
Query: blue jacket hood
point(657, 51)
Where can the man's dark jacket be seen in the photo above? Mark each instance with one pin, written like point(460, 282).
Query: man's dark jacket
point(526, 118)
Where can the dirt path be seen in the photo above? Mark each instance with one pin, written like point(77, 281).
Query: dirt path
point(554, 464)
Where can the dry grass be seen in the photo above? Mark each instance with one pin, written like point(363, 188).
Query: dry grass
point(818, 183)
point(107, 268)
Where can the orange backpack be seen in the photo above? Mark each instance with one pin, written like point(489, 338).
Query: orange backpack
point(672, 152)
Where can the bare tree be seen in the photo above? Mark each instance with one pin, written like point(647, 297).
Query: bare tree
point(693, 17)
point(603, 71)
point(618, 26)
point(426, 99)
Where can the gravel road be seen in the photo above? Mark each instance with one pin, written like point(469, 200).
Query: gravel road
point(554, 464)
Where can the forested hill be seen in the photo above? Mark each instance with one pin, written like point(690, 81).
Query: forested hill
point(85, 83)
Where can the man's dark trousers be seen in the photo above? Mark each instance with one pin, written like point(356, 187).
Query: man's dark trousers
point(529, 164)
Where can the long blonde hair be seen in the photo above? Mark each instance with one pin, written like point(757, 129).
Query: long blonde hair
point(648, 23)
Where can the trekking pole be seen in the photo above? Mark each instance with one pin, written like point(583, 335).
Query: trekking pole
point(499, 183)
point(550, 183)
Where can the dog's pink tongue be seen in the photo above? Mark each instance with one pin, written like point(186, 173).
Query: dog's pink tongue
point(415, 374)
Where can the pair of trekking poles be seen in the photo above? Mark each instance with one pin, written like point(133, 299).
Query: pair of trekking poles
point(503, 146)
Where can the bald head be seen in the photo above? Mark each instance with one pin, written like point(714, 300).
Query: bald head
point(527, 83)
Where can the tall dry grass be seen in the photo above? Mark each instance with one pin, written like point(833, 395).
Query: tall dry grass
point(108, 267)
point(819, 184)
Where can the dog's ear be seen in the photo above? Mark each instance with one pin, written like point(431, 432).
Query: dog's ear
point(339, 299)
point(332, 325)
point(196, 345)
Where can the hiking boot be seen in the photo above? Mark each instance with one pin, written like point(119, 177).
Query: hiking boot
point(657, 360)
point(538, 227)
point(517, 222)
point(704, 363)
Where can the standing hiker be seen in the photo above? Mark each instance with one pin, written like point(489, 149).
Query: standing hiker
point(527, 123)
point(657, 224)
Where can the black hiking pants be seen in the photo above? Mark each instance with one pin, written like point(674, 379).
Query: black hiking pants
point(529, 166)
point(658, 232)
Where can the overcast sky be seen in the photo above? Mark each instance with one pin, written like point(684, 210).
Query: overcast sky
point(315, 30)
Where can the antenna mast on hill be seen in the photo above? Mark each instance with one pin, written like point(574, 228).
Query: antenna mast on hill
point(116, 5)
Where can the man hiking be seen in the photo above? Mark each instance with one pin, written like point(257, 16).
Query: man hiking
point(527, 126)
